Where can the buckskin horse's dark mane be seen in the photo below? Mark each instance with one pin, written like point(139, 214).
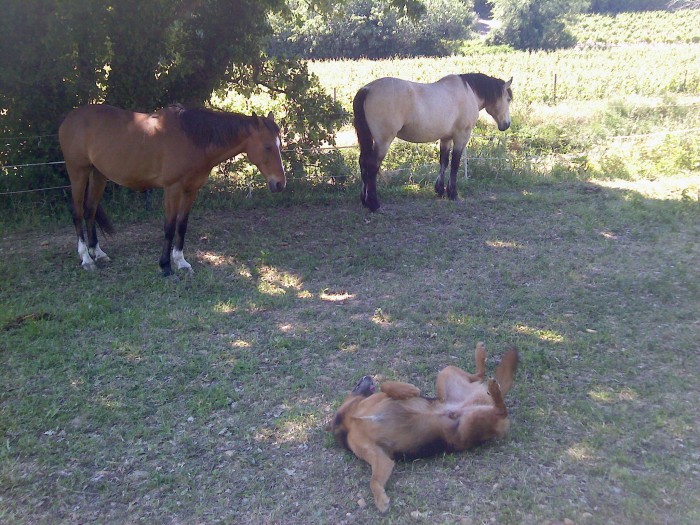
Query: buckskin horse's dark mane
point(488, 88)
point(206, 127)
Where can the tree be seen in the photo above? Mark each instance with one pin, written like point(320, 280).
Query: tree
point(58, 54)
point(535, 24)
point(372, 29)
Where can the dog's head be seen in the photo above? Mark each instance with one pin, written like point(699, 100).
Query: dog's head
point(364, 388)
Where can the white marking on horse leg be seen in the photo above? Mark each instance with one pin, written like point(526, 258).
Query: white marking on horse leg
point(85, 259)
point(180, 262)
point(100, 255)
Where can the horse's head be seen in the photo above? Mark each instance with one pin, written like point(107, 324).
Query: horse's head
point(499, 109)
point(264, 150)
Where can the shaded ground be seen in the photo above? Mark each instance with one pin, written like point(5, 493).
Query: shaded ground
point(128, 398)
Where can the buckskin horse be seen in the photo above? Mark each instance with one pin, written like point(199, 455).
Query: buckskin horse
point(446, 110)
point(174, 148)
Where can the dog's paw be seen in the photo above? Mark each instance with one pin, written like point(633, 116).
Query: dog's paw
point(399, 390)
point(493, 388)
point(382, 503)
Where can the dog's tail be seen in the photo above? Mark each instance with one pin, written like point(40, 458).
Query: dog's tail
point(506, 369)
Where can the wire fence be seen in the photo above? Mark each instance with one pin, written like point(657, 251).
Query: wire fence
point(523, 144)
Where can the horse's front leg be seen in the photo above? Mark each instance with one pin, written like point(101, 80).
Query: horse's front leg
point(457, 149)
point(186, 202)
point(454, 167)
point(444, 160)
point(178, 257)
point(171, 201)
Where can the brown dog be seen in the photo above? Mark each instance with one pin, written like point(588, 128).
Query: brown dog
point(400, 424)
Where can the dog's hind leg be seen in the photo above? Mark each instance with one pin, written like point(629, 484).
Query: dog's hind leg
point(497, 397)
point(482, 423)
point(506, 370)
point(452, 382)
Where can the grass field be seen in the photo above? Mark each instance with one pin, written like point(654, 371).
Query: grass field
point(129, 398)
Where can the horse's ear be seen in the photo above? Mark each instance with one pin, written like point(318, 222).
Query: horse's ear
point(270, 116)
point(509, 83)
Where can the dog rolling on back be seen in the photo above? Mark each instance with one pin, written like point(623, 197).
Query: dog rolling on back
point(397, 423)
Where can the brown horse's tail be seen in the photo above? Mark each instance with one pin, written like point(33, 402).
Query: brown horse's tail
point(506, 369)
point(103, 220)
point(364, 135)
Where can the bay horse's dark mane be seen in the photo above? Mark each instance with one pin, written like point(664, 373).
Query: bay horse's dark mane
point(207, 127)
point(488, 88)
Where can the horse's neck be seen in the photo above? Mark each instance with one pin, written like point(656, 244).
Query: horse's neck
point(218, 154)
point(481, 101)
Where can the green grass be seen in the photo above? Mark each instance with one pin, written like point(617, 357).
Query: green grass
point(661, 27)
point(131, 398)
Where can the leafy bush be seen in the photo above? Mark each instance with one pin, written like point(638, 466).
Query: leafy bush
point(535, 24)
point(371, 29)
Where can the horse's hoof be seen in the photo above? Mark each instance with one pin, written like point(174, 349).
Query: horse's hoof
point(90, 267)
point(373, 205)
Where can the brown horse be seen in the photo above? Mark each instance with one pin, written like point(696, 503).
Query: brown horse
point(174, 149)
point(445, 110)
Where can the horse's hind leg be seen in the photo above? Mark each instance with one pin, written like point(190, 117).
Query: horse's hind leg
point(96, 188)
point(444, 160)
point(369, 167)
point(78, 181)
point(370, 163)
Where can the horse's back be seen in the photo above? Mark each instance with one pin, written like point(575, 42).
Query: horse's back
point(85, 118)
point(418, 112)
point(126, 147)
point(86, 126)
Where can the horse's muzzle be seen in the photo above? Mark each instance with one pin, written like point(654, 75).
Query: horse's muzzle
point(276, 186)
point(503, 126)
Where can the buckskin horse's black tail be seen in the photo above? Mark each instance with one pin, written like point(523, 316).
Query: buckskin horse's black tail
point(364, 135)
point(369, 163)
point(103, 220)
